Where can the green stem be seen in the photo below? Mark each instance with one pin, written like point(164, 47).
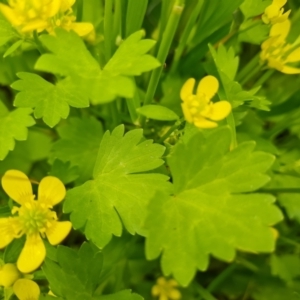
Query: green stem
point(220, 278)
point(205, 294)
point(38, 43)
point(108, 29)
point(136, 10)
point(248, 68)
point(164, 48)
point(250, 75)
point(264, 77)
point(170, 131)
point(132, 105)
point(289, 241)
point(231, 123)
point(185, 35)
point(114, 113)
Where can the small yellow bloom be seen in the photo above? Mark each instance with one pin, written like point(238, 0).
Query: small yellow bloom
point(39, 15)
point(277, 52)
point(9, 274)
point(199, 109)
point(24, 289)
point(166, 289)
point(35, 217)
point(274, 12)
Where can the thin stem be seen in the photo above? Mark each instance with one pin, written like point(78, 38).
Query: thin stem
point(108, 29)
point(136, 10)
point(163, 50)
point(264, 77)
point(221, 277)
point(250, 75)
point(132, 105)
point(170, 131)
point(289, 241)
point(248, 68)
point(231, 123)
point(114, 113)
point(205, 294)
point(185, 35)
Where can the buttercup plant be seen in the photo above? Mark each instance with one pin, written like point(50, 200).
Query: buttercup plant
point(149, 149)
point(34, 217)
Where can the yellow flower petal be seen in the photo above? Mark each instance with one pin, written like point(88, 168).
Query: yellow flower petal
point(66, 4)
point(203, 123)
point(7, 233)
point(174, 294)
point(32, 255)
point(58, 232)
point(10, 15)
point(54, 8)
point(9, 273)
point(272, 11)
point(51, 191)
point(16, 185)
point(220, 110)
point(294, 56)
point(208, 86)
point(281, 29)
point(187, 89)
point(82, 29)
point(39, 25)
point(26, 289)
point(186, 112)
point(290, 70)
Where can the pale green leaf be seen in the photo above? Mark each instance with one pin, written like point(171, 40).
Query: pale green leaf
point(13, 48)
point(13, 126)
point(226, 64)
point(50, 102)
point(157, 112)
point(120, 191)
point(98, 85)
point(130, 58)
point(252, 8)
point(79, 143)
point(212, 200)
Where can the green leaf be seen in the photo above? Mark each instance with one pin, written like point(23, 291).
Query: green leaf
point(252, 8)
point(212, 210)
point(121, 190)
point(7, 32)
point(50, 102)
point(13, 48)
point(64, 171)
point(226, 61)
point(77, 275)
point(286, 266)
point(78, 144)
point(130, 58)
point(98, 85)
point(291, 203)
point(35, 148)
point(157, 112)
point(253, 31)
point(13, 126)
point(227, 64)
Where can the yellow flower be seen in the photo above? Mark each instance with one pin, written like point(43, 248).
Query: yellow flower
point(166, 289)
point(277, 52)
point(35, 217)
point(39, 15)
point(24, 289)
point(274, 12)
point(9, 274)
point(199, 109)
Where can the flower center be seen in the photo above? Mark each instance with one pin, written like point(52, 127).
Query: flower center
point(35, 217)
point(198, 105)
